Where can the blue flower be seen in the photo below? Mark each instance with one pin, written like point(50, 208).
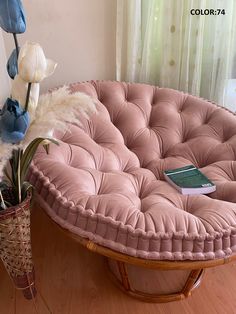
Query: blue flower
point(14, 122)
point(12, 16)
point(12, 66)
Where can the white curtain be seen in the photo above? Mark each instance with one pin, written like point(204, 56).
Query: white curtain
point(4, 78)
point(160, 42)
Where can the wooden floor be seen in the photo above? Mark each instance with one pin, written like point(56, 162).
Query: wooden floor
point(73, 281)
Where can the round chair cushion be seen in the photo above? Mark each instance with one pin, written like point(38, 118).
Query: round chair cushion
point(105, 180)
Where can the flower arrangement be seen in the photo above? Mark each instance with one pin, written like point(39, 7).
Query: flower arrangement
point(26, 121)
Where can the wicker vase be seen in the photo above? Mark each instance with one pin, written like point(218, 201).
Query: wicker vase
point(15, 246)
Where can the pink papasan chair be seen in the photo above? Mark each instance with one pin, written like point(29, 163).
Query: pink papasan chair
point(104, 184)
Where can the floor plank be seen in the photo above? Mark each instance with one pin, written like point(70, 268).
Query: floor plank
point(74, 281)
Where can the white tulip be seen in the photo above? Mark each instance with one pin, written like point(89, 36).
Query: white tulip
point(19, 91)
point(33, 66)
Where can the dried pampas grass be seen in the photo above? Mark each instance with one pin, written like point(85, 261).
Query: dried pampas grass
point(55, 110)
point(5, 154)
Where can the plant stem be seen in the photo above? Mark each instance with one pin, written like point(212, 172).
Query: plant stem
point(18, 176)
point(2, 201)
point(27, 96)
point(16, 44)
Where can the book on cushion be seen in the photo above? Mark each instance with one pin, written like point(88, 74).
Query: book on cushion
point(189, 180)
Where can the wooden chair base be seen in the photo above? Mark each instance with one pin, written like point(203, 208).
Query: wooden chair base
point(127, 268)
point(131, 279)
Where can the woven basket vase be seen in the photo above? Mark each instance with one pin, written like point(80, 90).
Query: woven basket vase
point(15, 245)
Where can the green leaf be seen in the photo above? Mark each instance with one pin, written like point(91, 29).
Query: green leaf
point(29, 154)
point(14, 166)
point(7, 175)
point(14, 162)
point(46, 147)
point(25, 188)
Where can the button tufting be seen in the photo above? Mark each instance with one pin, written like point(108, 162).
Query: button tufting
point(125, 208)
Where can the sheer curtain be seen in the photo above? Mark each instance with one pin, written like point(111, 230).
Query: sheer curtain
point(4, 78)
point(160, 42)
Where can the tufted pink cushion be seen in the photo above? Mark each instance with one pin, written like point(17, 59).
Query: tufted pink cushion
point(105, 180)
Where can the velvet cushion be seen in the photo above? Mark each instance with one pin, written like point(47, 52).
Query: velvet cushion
point(105, 180)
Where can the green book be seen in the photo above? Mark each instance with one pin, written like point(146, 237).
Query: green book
point(189, 180)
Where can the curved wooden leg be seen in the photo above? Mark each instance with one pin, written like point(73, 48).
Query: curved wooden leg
point(193, 281)
point(126, 276)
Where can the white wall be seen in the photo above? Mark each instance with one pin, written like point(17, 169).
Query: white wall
point(78, 34)
point(4, 78)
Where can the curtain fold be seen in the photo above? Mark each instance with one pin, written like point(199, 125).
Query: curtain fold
point(128, 39)
point(4, 78)
point(160, 42)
